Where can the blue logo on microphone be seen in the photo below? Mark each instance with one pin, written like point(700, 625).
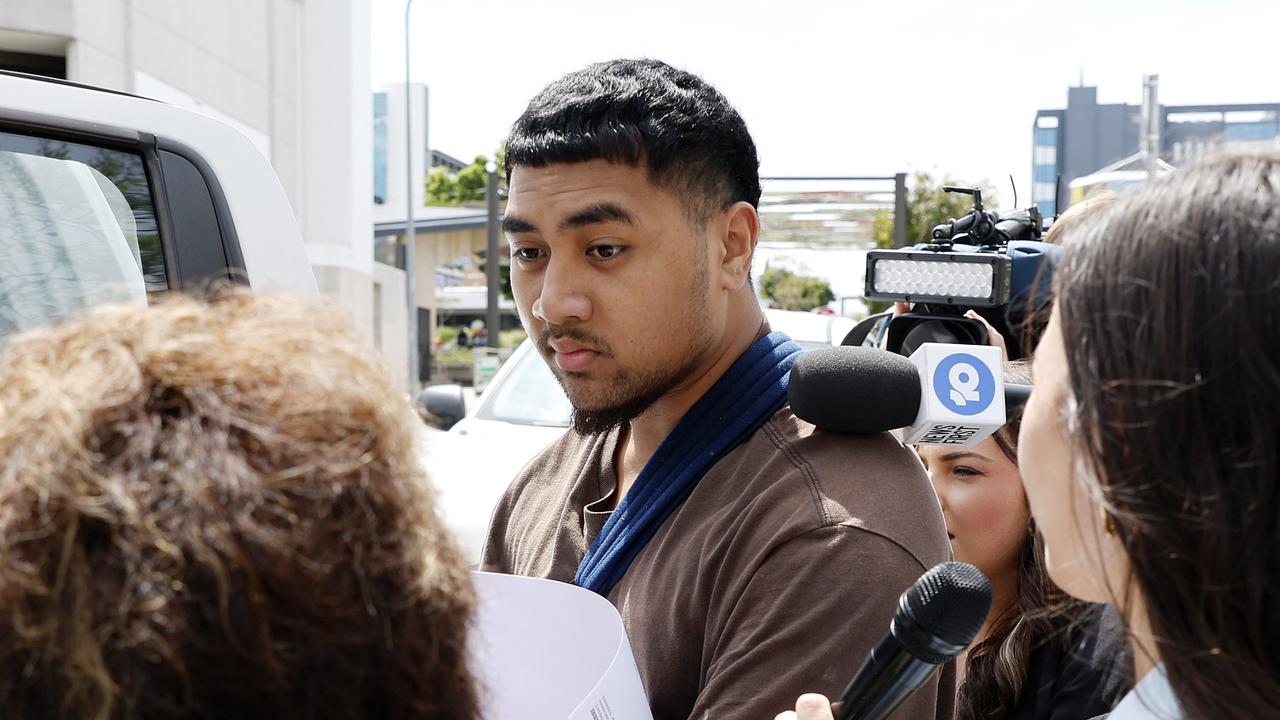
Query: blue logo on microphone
point(964, 384)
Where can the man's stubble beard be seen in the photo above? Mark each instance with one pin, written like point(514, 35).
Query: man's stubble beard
point(632, 391)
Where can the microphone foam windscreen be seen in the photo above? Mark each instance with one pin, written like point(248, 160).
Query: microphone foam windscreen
point(950, 602)
point(855, 390)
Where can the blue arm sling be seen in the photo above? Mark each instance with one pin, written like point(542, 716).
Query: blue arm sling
point(749, 393)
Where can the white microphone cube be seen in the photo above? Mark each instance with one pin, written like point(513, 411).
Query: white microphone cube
point(962, 394)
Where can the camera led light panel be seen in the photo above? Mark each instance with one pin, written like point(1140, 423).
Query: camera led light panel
point(961, 280)
point(975, 279)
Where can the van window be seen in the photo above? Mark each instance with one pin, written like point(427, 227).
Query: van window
point(77, 229)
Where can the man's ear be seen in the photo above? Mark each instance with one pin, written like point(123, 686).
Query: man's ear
point(741, 225)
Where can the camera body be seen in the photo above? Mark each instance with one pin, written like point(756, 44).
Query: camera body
point(990, 262)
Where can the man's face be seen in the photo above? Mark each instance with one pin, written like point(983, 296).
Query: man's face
point(612, 282)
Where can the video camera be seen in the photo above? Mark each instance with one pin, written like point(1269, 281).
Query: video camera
point(987, 261)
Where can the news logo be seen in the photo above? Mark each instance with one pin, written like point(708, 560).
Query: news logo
point(963, 384)
point(962, 398)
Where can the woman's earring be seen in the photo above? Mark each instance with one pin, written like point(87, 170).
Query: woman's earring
point(1107, 523)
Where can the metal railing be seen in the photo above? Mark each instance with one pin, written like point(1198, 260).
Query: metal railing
point(899, 181)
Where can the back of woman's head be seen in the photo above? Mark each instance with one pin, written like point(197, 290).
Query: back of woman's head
point(1017, 372)
point(213, 511)
point(1170, 309)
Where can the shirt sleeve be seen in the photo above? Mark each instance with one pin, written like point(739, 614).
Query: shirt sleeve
point(805, 621)
point(493, 556)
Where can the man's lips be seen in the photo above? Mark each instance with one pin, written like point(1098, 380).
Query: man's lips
point(561, 345)
point(572, 357)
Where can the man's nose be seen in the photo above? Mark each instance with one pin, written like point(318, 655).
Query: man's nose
point(564, 299)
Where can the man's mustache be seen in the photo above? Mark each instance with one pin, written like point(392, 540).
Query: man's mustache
point(580, 337)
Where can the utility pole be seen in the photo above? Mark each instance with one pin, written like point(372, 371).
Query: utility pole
point(900, 211)
point(493, 257)
point(1150, 142)
point(410, 228)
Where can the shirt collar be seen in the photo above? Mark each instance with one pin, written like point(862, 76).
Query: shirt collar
point(1150, 699)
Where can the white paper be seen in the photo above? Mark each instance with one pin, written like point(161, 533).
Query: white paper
point(546, 649)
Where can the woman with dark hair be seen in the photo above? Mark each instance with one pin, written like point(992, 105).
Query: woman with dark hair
point(1040, 654)
point(1149, 448)
point(215, 511)
point(1150, 445)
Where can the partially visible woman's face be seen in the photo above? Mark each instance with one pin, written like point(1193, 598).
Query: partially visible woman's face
point(982, 503)
point(1076, 557)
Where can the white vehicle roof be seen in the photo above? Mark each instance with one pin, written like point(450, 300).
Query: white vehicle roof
point(265, 226)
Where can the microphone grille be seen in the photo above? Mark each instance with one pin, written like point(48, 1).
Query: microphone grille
point(950, 602)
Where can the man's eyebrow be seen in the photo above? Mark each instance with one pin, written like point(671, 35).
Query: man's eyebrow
point(598, 213)
point(513, 225)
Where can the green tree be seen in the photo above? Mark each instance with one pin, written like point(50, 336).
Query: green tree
point(790, 291)
point(442, 188)
point(466, 185)
point(472, 179)
point(928, 205)
point(504, 270)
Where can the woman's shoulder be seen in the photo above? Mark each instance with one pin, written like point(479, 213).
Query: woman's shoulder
point(1151, 699)
point(1081, 673)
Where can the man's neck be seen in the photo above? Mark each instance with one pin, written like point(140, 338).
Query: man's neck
point(645, 433)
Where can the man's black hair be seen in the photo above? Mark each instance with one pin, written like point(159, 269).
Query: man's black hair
point(643, 113)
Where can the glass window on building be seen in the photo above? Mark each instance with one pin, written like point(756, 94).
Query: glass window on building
point(380, 148)
point(1046, 137)
point(1043, 192)
point(1251, 131)
point(1045, 155)
point(1042, 196)
point(79, 230)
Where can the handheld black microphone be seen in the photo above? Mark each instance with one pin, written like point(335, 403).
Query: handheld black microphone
point(937, 618)
point(861, 391)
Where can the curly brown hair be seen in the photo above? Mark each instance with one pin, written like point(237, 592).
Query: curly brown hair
point(214, 510)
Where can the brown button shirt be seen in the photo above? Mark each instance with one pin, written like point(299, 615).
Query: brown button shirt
point(774, 578)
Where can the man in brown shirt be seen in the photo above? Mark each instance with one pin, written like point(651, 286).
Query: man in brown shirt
point(632, 222)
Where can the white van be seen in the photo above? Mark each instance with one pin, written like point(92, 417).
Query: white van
point(109, 197)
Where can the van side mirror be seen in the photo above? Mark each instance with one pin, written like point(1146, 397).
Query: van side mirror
point(445, 402)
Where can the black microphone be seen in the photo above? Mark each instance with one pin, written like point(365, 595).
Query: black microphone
point(862, 391)
point(937, 618)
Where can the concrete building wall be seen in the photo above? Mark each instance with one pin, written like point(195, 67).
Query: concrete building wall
point(53, 19)
point(394, 206)
point(1110, 144)
point(390, 315)
point(1095, 135)
point(336, 142)
point(458, 243)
